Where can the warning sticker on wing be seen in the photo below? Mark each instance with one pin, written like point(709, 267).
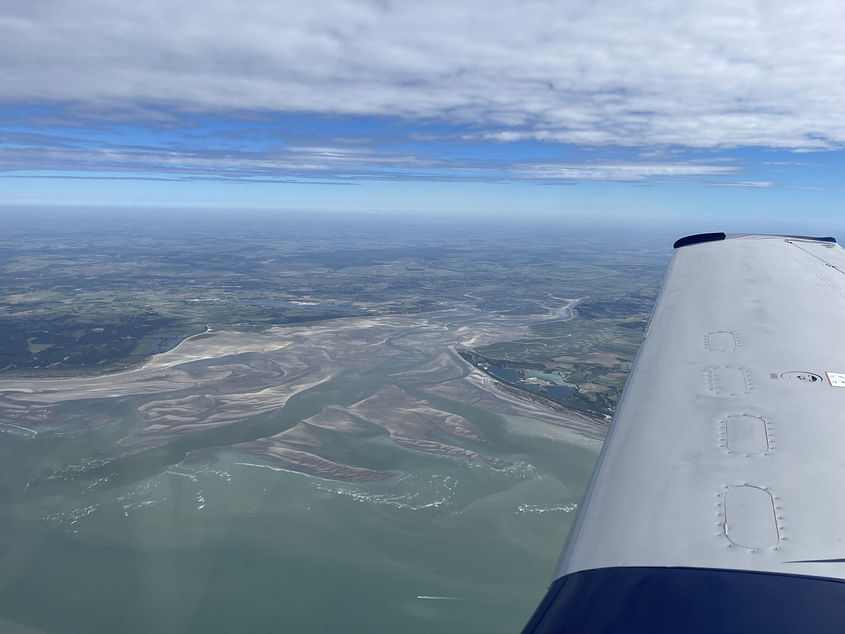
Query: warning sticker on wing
point(836, 379)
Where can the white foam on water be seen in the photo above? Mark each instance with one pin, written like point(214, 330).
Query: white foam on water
point(18, 430)
point(535, 508)
point(432, 493)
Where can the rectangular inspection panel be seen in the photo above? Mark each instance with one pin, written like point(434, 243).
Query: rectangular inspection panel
point(750, 517)
point(746, 434)
point(720, 341)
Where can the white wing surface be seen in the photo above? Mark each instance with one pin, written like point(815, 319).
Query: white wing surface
point(718, 502)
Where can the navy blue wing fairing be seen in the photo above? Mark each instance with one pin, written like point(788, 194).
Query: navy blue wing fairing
point(698, 238)
point(689, 601)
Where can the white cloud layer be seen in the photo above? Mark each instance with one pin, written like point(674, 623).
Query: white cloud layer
point(340, 165)
point(652, 73)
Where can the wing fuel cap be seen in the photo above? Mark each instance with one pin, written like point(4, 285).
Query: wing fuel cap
point(801, 377)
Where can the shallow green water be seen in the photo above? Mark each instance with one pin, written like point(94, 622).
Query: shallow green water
point(96, 541)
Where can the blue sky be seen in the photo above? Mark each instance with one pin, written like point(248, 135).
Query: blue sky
point(715, 111)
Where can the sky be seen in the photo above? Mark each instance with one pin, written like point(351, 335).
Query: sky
point(729, 112)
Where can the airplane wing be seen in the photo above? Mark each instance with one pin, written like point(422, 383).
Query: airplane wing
point(718, 501)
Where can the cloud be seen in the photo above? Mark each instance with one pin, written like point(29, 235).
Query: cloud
point(33, 155)
point(746, 184)
point(714, 74)
point(626, 171)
